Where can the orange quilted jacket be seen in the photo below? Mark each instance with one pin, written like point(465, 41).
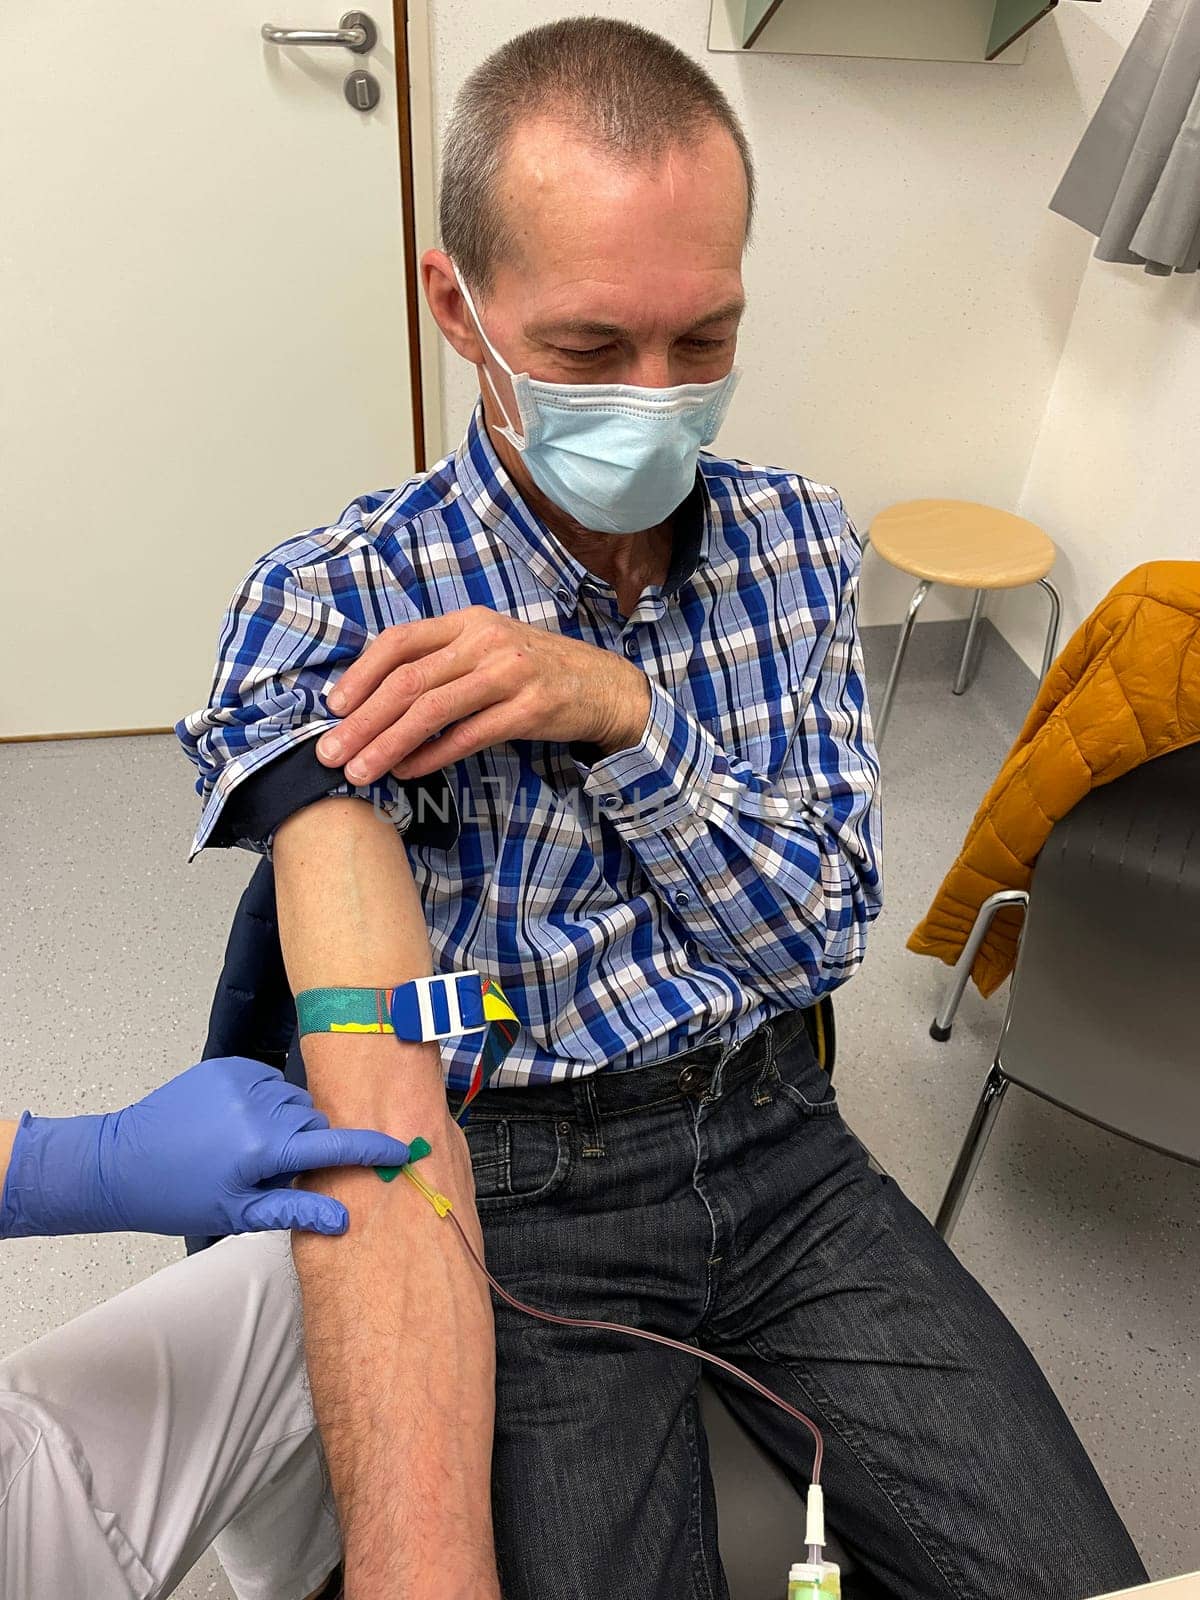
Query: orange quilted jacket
point(1125, 689)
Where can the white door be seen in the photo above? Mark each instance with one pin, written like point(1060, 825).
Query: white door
point(203, 339)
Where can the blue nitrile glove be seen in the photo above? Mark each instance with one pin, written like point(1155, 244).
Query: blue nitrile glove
point(213, 1151)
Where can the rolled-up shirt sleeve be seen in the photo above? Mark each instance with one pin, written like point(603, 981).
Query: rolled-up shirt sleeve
point(776, 876)
point(292, 628)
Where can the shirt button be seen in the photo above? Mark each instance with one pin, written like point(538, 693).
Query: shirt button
point(609, 801)
point(563, 596)
point(681, 898)
point(631, 646)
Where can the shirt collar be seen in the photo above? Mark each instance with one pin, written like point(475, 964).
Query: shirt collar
point(691, 536)
point(491, 493)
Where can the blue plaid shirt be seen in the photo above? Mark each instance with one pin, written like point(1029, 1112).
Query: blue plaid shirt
point(722, 870)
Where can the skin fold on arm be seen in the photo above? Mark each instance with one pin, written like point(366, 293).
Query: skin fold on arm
point(398, 1323)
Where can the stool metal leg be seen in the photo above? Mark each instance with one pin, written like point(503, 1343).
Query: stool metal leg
point(889, 694)
point(1051, 654)
point(941, 1025)
point(966, 667)
point(972, 1150)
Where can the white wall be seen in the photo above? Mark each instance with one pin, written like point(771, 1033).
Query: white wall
point(1115, 473)
point(910, 294)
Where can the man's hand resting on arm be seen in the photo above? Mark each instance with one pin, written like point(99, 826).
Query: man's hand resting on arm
point(398, 1322)
point(476, 678)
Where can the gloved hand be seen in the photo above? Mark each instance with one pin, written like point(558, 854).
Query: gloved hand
point(212, 1151)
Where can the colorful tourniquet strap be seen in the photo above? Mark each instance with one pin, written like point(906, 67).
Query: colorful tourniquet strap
point(427, 1009)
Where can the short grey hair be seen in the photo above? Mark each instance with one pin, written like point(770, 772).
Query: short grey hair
point(626, 89)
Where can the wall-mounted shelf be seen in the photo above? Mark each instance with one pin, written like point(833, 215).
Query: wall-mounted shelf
point(914, 30)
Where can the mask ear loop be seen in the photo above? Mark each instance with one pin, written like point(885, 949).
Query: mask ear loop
point(514, 438)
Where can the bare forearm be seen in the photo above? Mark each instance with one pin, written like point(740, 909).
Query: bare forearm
point(399, 1346)
point(398, 1326)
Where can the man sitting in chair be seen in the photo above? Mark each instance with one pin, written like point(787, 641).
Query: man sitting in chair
point(636, 669)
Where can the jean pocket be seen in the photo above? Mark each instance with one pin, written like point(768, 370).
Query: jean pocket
point(516, 1161)
point(798, 1076)
point(811, 1107)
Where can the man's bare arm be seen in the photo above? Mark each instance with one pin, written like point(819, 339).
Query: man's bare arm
point(398, 1323)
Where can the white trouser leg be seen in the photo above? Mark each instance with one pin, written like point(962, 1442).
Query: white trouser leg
point(174, 1415)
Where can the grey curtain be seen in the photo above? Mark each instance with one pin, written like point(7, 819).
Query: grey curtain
point(1135, 179)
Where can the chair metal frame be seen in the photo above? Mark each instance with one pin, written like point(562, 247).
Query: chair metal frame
point(987, 1109)
point(995, 1085)
point(942, 1024)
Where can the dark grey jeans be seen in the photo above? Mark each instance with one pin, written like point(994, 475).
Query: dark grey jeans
point(728, 1204)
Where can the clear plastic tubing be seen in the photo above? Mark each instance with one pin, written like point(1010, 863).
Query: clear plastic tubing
point(654, 1338)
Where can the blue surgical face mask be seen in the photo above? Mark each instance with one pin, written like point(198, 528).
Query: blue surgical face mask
point(616, 457)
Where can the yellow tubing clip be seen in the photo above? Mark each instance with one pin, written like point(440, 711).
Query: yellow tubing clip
point(438, 1201)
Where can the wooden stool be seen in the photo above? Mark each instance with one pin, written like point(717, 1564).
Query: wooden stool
point(966, 546)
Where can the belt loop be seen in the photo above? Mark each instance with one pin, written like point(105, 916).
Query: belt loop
point(761, 1094)
point(718, 1077)
point(594, 1133)
point(727, 1054)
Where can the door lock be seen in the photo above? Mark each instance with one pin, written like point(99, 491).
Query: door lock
point(361, 90)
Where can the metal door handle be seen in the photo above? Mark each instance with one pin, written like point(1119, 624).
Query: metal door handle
point(356, 32)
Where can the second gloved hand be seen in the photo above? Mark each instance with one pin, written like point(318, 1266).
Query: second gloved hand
point(211, 1152)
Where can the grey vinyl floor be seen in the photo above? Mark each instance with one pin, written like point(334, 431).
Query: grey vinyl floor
point(110, 942)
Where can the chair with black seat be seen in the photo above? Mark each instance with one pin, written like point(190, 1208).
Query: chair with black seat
point(1101, 1016)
